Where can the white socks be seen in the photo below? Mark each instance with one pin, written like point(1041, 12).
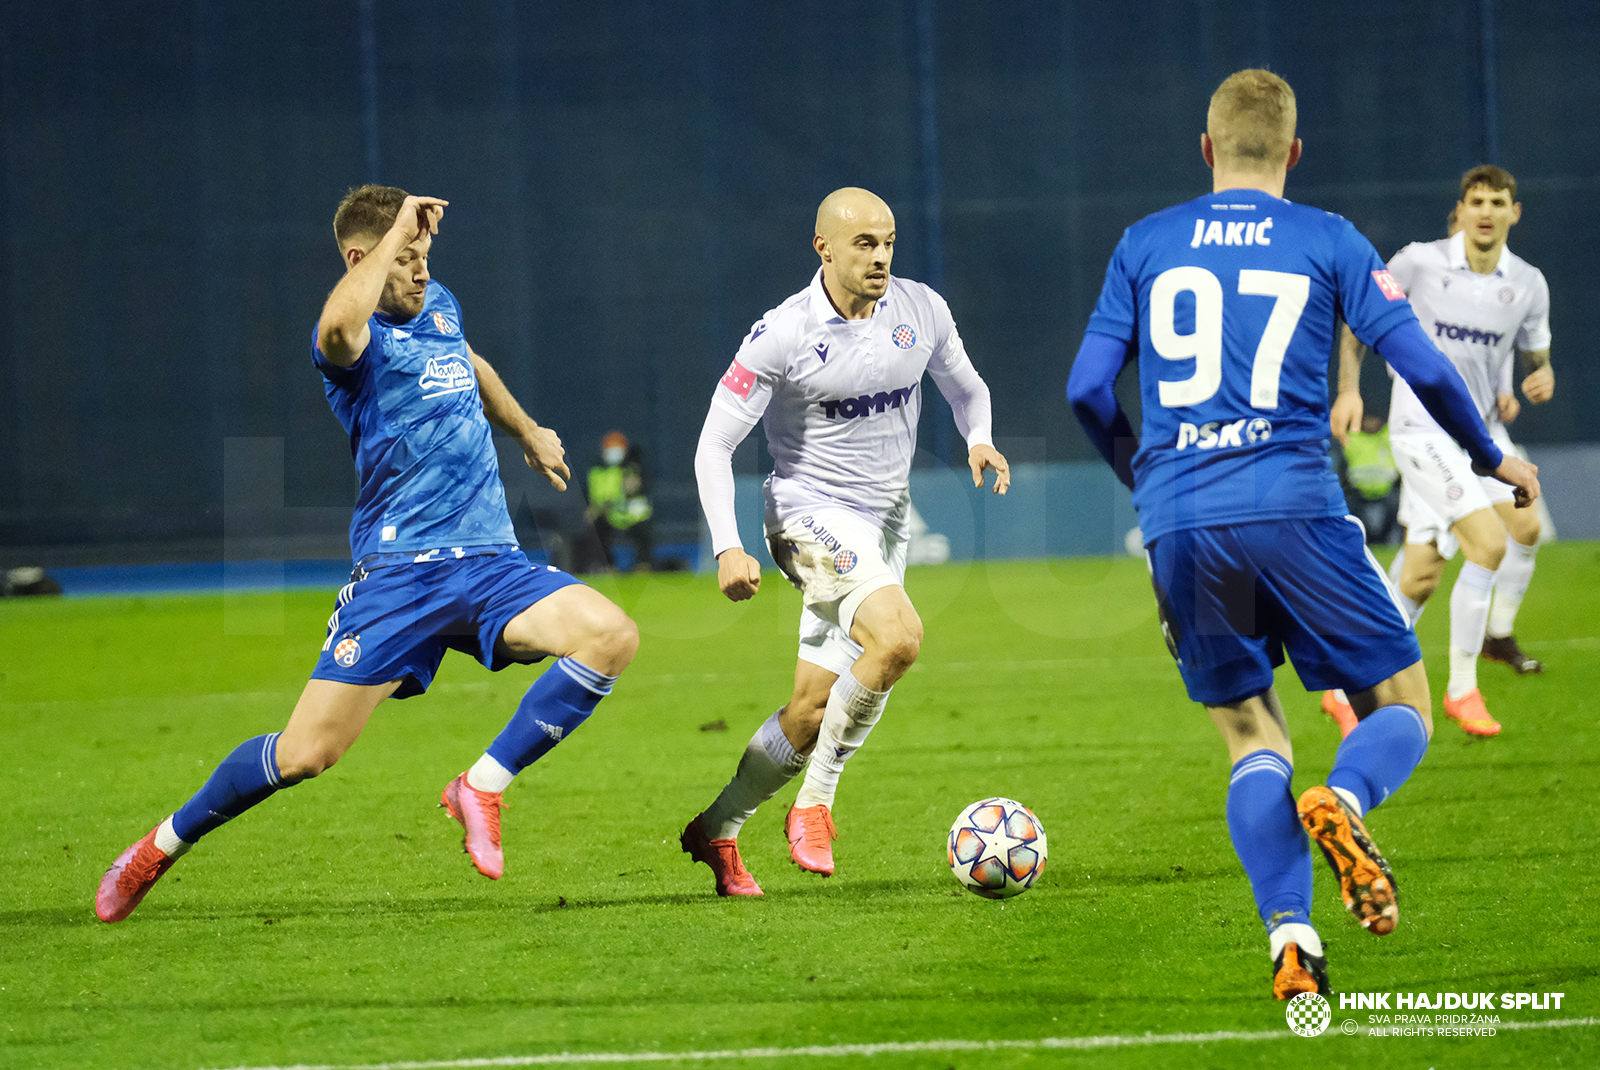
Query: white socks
point(168, 841)
point(852, 711)
point(1295, 932)
point(1469, 617)
point(769, 763)
point(1350, 800)
point(489, 775)
point(1510, 584)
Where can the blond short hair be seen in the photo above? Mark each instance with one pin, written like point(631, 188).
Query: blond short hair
point(1251, 120)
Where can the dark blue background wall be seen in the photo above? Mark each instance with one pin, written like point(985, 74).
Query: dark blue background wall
point(632, 184)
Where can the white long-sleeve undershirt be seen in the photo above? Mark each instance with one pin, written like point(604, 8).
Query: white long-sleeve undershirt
point(968, 396)
point(713, 471)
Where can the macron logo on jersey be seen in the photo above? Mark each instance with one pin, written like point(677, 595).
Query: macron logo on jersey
point(867, 404)
point(1391, 289)
point(1465, 334)
point(740, 380)
point(448, 376)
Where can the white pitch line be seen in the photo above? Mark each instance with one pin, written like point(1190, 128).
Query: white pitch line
point(838, 1050)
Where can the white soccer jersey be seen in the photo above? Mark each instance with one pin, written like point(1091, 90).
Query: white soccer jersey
point(1475, 320)
point(840, 398)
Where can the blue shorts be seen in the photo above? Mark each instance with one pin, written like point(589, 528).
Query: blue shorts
point(1233, 599)
point(395, 622)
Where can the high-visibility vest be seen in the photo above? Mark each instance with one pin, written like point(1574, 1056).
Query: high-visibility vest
point(1370, 464)
point(606, 493)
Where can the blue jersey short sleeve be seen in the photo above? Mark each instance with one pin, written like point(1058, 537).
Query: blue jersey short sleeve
point(1371, 298)
point(1231, 302)
point(425, 460)
point(1116, 313)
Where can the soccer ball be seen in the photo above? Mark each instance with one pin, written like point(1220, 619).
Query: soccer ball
point(997, 848)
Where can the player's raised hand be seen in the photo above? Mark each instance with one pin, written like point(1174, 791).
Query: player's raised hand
point(543, 451)
point(981, 457)
point(1344, 418)
point(1540, 385)
point(1508, 406)
point(738, 574)
point(1523, 478)
point(419, 216)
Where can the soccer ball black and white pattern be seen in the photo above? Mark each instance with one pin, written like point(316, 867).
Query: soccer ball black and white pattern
point(997, 848)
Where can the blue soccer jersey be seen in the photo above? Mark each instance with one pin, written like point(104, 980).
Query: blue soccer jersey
point(424, 453)
point(1231, 302)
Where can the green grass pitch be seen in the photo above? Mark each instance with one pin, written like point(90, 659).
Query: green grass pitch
point(339, 923)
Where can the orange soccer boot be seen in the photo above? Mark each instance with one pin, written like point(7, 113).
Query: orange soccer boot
point(1471, 714)
point(1295, 971)
point(479, 814)
point(1343, 714)
point(1365, 882)
point(810, 832)
point(723, 858)
point(134, 873)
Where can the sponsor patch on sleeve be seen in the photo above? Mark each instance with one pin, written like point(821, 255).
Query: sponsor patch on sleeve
point(1390, 288)
point(740, 380)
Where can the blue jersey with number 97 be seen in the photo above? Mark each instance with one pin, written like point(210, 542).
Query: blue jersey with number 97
point(1231, 302)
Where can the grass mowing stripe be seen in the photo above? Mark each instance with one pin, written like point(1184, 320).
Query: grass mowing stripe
point(912, 1047)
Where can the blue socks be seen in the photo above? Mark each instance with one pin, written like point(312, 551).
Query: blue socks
point(1268, 837)
point(556, 704)
point(245, 777)
point(1378, 756)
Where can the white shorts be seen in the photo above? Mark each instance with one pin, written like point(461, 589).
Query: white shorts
point(1438, 488)
point(835, 558)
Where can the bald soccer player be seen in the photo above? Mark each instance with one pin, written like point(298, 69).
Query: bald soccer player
point(835, 374)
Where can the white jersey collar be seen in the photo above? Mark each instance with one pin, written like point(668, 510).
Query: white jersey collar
point(1458, 255)
point(822, 305)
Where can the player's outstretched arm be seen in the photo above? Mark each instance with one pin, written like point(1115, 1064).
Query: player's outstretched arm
point(342, 331)
point(1348, 409)
point(970, 404)
point(1521, 476)
point(1092, 391)
point(738, 574)
point(1540, 385)
point(1438, 386)
point(541, 447)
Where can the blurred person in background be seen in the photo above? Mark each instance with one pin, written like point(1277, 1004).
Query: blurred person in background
point(619, 501)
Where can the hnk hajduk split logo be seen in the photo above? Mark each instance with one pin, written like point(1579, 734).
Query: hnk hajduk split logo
point(1308, 1014)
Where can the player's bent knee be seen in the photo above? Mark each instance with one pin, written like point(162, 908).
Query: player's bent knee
point(609, 640)
point(1488, 556)
point(897, 650)
point(302, 763)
